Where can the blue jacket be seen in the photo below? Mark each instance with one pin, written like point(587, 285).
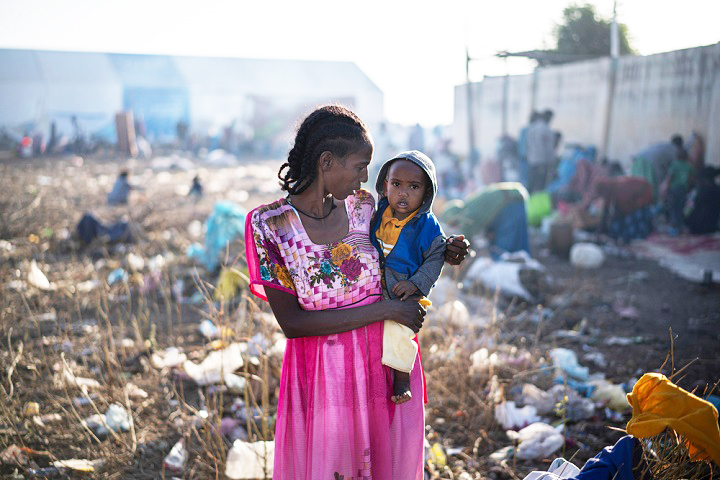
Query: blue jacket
point(419, 253)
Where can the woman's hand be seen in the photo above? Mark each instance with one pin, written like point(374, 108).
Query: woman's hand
point(457, 249)
point(411, 314)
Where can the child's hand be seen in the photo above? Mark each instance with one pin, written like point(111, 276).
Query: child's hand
point(403, 290)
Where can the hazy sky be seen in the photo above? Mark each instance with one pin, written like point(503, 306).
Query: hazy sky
point(413, 50)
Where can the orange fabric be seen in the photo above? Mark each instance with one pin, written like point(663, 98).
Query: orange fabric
point(658, 403)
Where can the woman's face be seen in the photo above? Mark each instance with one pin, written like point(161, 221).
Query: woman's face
point(347, 174)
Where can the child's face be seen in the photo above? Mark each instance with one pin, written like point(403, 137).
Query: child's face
point(405, 186)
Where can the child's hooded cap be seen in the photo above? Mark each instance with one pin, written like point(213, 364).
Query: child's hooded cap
point(422, 161)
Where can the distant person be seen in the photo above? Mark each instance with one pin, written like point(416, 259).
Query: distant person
point(121, 190)
point(677, 184)
point(78, 145)
point(411, 245)
point(181, 130)
point(704, 211)
point(522, 147)
point(582, 186)
point(498, 212)
point(695, 148)
point(653, 162)
point(627, 207)
point(196, 189)
point(541, 142)
point(53, 141)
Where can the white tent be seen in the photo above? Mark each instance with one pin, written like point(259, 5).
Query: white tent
point(263, 98)
point(39, 87)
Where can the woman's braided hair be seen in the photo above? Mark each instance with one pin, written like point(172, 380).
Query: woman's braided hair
point(331, 128)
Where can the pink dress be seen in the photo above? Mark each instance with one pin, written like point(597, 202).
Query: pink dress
point(335, 419)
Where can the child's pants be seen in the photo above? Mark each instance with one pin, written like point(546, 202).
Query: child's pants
point(399, 348)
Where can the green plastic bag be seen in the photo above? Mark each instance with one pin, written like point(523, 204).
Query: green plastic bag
point(538, 206)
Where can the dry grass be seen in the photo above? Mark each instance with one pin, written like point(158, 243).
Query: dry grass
point(109, 333)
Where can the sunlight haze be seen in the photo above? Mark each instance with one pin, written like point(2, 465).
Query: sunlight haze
point(413, 51)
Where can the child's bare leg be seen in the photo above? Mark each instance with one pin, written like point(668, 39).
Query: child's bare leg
point(401, 387)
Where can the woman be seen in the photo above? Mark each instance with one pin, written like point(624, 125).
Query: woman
point(310, 256)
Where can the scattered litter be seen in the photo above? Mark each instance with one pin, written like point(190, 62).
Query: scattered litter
point(597, 358)
point(169, 358)
point(117, 275)
point(230, 282)
point(505, 274)
point(503, 454)
point(455, 313)
point(559, 468)
point(586, 255)
point(216, 365)
point(510, 416)
point(195, 229)
point(624, 340)
point(543, 402)
point(76, 465)
point(225, 223)
point(538, 440)
point(208, 329)
point(250, 460)
point(613, 396)
point(81, 382)
point(117, 418)
point(566, 360)
point(43, 420)
point(135, 262)
point(134, 392)
point(437, 455)
point(176, 460)
point(31, 408)
point(37, 278)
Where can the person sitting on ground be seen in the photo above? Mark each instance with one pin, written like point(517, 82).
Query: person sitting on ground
point(704, 211)
point(196, 189)
point(411, 245)
point(498, 212)
point(627, 207)
point(121, 190)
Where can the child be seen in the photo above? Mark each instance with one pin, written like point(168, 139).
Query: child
point(412, 247)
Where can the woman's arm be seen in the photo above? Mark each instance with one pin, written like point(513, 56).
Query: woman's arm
point(296, 322)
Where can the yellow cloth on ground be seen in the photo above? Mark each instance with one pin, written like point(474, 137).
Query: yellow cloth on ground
point(399, 348)
point(658, 403)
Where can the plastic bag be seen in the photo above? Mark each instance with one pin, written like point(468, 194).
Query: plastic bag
point(586, 255)
point(250, 460)
point(538, 440)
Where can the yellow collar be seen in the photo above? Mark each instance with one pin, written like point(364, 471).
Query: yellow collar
point(388, 219)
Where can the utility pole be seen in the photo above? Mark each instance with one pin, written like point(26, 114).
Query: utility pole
point(612, 79)
point(505, 100)
point(472, 151)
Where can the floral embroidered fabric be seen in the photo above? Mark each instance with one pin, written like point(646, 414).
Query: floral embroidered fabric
point(321, 276)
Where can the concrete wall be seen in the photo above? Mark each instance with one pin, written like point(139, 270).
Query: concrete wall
point(655, 96)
